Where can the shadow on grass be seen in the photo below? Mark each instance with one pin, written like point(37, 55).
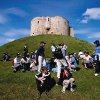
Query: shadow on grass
point(52, 83)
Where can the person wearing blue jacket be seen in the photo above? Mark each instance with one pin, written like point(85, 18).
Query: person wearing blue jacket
point(73, 62)
point(97, 57)
point(40, 57)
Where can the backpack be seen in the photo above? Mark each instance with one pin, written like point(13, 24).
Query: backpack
point(58, 53)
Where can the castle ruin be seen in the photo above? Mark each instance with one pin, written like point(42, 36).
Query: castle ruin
point(51, 25)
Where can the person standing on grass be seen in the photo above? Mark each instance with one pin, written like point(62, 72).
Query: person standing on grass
point(60, 61)
point(40, 57)
point(64, 47)
point(25, 50)
point(53, 49)
point(97, 57)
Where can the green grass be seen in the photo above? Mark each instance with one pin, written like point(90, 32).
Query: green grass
point(22, 86)
point(74, 44)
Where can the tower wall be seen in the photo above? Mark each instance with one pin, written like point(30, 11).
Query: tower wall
point(49, 25)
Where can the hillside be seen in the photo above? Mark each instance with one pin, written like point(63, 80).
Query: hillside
point(22, 86)
point(74, 45)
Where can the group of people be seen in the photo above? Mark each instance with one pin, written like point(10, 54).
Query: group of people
point(25, 62)
point(64, 65)
point(91, 61)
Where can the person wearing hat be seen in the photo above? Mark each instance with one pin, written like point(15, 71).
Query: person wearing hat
point(43, 81)
point(97, 57)
point(40, 57)
point(16, 63)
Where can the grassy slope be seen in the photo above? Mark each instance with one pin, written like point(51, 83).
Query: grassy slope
point(22, 86)
point(74, 45)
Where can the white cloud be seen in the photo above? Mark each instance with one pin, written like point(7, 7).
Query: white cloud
point(13, 34)
point(95, 35)
point(5, 40)
point(85, 20)
point(91, 14)
point(82, 31)
point(17, 33)
point(15, 11)
point(89, 33)
point(4, 14)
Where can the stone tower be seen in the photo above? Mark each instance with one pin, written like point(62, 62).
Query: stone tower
point(51, 25)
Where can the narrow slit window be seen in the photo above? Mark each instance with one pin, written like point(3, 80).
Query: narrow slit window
point(48, 19)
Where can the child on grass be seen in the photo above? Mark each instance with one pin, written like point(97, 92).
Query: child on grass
point(43, 81)
point(66, 80)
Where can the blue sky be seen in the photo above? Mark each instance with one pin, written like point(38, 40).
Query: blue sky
point(16, 15)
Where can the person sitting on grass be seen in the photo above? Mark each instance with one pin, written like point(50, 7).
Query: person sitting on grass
point(88, 61)
point(32, 57)
point(33, 66)
point(25, 62)
point(4, 57)
point(73, 62)
point(80, 54)
point(16, 63)
point(68, 80)
point(43, 81)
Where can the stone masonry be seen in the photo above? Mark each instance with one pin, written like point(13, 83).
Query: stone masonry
point(51, 25)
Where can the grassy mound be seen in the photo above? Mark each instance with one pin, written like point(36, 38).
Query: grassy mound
point(22, 86)
point(74, 44)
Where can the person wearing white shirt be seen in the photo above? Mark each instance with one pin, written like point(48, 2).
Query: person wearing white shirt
point(16, 63)
point(81, 54)
point(25, 62)
point(53, 48)
point(88, 60)
point(64, 47)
